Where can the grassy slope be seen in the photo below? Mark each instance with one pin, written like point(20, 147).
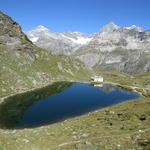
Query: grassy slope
point(123, 126)
point(17, 74)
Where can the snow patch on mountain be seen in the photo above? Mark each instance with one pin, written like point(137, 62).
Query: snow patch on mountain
point(80, 40)
point(34, 39)
point(57, 42)
point(139, 29)
point(74, 37)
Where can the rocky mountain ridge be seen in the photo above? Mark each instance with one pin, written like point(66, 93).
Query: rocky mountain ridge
point(125, 49)
point(57, 42)
point(121, 48)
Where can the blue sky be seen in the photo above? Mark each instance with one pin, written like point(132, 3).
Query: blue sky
point(77, 15)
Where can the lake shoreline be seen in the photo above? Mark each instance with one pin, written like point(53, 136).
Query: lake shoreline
point(59, 101)
point(132, 88)
point(139, 90)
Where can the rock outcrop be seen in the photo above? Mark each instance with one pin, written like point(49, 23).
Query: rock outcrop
point(125, 49)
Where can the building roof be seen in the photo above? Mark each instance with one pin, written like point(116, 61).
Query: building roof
point(94, 77)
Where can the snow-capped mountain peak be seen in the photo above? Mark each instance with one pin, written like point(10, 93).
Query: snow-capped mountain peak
point(131, 27)
point(110, 27)
point(41, 28)
point(139, 29)
point(57, 41)
point(43, 32)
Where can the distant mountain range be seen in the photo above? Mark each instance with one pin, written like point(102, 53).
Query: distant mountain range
point(125, 49)
point(57, 42)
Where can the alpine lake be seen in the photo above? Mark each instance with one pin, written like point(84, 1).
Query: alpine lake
point(57, 102)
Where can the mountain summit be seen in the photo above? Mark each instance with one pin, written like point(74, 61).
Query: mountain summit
point(134, 27)
point(110, 27)
point(41, 28)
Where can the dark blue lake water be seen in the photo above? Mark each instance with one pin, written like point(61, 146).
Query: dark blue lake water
point(74, 100)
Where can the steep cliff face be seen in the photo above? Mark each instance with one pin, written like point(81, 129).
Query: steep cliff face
point(12, 37)
point(24, 65)
point(125, 49)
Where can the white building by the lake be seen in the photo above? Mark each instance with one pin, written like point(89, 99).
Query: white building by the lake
point(97, 79)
